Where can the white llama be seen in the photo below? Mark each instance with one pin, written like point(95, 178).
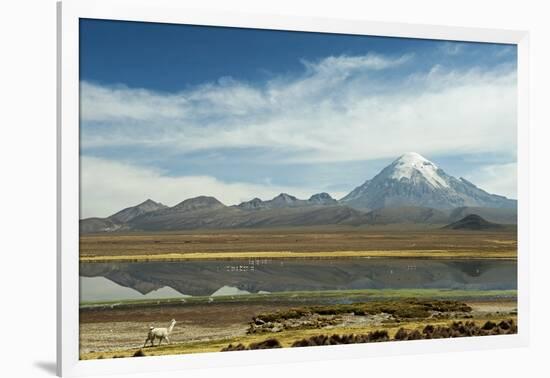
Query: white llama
point(159, 333)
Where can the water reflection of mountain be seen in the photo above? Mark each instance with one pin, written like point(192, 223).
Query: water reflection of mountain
point(205, 277)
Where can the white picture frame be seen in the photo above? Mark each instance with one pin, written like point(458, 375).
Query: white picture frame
point(69, 12)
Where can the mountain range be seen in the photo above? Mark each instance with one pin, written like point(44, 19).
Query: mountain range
point(411, 190)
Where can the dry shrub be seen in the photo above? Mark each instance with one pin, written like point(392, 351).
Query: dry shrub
point(139, 353)
point(336, 339)
point(456, 329)
point(415, 335)
point(505, 325)
point(401, 334)
point(469, 328)
point(377, 336)
point(266, 344)
point(232, 347)
point(488, 325)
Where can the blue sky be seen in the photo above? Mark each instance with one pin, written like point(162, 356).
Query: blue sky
point(173, 111)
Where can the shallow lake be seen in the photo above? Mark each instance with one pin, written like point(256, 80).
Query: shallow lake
point(155, 280)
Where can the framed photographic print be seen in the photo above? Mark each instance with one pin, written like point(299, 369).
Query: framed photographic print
point(240, 189)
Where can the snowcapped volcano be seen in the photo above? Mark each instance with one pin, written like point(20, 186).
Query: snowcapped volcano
point(413, 180)
point(412, 165)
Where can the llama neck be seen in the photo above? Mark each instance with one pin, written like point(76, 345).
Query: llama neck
point(171, 327)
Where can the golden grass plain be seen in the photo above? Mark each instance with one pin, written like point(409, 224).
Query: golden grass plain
point(341, 242)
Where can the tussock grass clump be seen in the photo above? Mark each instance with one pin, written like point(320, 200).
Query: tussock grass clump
point(266, 344)
point(377, 336)
point(403, 334)
point(414, 335)
point(489, 325)
point(317, 340)
point(507, 325)
point(456, 329)
point(232, 347)
point(469, 328)
point(139, 353)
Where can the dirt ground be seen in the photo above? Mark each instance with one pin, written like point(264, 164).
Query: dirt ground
point(115, 329)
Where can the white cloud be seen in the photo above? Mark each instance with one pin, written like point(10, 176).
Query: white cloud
point(347, 64)
point(336, 110)
point(498, 179)
point(120, 103)
point(109, 186)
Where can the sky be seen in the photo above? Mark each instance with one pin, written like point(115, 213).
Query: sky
point(170, 112)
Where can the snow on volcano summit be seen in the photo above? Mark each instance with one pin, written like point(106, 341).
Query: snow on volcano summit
point(411, 163)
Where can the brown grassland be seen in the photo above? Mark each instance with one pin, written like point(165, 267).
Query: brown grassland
point(298, 242)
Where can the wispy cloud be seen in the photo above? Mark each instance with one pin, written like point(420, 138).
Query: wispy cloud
point(496, 178)
point(336, 110)
point(345, 64)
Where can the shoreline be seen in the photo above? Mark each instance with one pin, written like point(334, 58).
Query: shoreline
point(298, 297)
point(197, 256)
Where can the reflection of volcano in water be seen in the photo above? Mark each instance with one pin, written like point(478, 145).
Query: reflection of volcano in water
point(205, 277)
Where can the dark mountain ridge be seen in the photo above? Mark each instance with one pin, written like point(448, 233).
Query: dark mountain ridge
point(285, 200)
point(473, 222)
point(132, 212)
